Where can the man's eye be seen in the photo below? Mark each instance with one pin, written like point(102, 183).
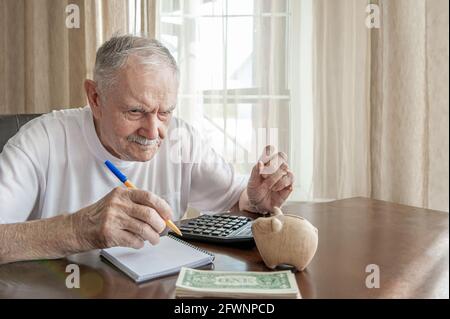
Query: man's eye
point(134, 114)
point(164, 115)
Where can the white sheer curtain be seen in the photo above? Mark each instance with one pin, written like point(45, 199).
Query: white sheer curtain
point(268, 71)
point(234, 82)
point(301, 90)
point(341, 106)
point(330, 107)
point(360, 112)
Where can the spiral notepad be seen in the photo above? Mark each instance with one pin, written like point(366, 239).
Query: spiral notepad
point(163, 259)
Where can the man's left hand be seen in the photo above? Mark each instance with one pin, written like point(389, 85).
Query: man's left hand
point(271, 181)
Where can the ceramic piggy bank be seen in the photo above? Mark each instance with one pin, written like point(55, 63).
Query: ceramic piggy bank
point(285, 240)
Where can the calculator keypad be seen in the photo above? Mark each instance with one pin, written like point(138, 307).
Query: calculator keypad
point(219, 226)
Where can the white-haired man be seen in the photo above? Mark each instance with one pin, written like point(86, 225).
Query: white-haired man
point(58, 198)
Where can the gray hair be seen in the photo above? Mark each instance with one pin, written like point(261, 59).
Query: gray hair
point(113, 55)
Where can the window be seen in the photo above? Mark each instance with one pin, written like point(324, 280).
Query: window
point(233, 59)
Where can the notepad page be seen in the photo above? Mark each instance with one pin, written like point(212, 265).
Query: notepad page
point(154, 261)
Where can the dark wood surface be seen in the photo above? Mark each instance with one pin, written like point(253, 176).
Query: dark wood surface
point(410, 246)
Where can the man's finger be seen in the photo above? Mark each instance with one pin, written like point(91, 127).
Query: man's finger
point(284, 182)
point(268, 152)
point(255, 175)
point(275, 163)
point(141, 229)
point(284, 193)
point(267, 171)
point(127, 239)
point(280, 197)
point(274, 178)
point(147, 215)
point(149, 199)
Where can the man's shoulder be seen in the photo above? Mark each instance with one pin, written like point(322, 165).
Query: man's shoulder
point(195, 142)
point(62, 116)
point(179, 126)
point(54, 123)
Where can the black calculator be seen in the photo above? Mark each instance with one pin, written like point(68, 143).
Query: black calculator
point(219, 228)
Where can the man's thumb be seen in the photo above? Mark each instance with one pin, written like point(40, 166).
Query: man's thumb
point(257, 169)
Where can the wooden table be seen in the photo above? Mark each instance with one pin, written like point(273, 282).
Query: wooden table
point(410, 246)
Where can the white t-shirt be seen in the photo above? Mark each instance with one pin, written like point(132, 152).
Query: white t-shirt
point(55, 164)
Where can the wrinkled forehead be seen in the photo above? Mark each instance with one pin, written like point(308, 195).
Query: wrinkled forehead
point(150, 84)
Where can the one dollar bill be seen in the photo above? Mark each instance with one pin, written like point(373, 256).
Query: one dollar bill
point(207, 283)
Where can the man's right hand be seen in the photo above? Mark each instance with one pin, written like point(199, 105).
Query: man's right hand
point(124, 217)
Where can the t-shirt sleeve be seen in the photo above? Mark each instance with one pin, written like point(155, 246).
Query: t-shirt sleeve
point(23, 163)
point(215, 186)
point(19, 185)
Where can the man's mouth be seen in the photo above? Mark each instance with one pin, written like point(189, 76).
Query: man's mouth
point(144, 142)
point(146, 147)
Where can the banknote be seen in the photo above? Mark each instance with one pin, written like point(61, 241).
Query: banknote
point(193, 282)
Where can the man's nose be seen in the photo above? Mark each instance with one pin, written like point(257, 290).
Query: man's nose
point(150, 126)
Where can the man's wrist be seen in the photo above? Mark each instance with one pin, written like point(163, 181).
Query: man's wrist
point(64, 241)
point(245, 204)
point(81, 231)
point(71, 243)
point(39, 239)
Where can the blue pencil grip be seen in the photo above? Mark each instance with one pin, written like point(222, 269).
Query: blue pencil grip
point(116, 171)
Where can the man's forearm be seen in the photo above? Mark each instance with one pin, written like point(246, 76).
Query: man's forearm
point(40, 239)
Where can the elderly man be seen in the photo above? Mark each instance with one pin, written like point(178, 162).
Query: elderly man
point(58, 198)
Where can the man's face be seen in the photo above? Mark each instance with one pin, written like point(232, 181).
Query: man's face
point(133, 116)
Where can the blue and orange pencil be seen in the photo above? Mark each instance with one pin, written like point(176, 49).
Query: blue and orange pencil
point(129, 184)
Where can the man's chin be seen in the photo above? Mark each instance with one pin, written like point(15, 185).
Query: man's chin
point(143, 153)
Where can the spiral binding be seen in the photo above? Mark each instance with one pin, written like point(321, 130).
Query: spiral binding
point(192, 246)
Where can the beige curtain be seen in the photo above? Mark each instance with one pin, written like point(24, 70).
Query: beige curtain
point(410, 105)
point(380, 102)
point(341, 108)
point(42, 62)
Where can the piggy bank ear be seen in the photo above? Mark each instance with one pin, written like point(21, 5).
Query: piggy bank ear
point(277, 211)
point(262, 225)
point(277, 225)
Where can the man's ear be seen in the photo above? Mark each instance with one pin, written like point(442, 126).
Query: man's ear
point(93, 97)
